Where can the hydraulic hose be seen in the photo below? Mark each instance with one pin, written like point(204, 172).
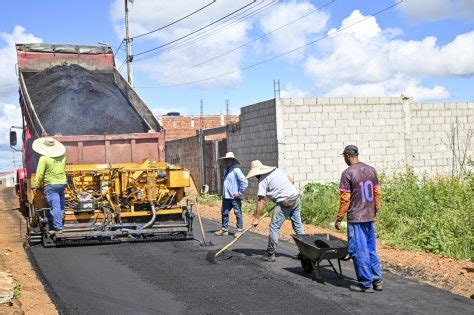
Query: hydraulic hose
point(153, 217)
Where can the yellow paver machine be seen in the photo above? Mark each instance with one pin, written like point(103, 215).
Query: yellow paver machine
point(109, 203)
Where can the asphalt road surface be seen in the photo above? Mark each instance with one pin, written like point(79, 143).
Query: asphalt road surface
point(175, 278)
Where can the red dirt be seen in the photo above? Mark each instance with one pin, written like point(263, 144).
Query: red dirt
point(33, 299)
point(456, 276)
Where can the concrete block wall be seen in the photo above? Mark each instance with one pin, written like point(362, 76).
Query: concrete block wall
point(312, 133)
point(254, 137)
point(431, 128)
point(185, 152)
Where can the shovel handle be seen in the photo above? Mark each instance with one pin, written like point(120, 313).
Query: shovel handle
point(200, 222)
point(243, 232)
point(234, 240)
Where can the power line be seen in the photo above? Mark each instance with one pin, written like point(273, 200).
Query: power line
point(285, 53)
point(195, 31)
point(253, 40)
point(121, 66)
point(8, 84)
point(174, 22)
point(194, 39)
point(118, 48)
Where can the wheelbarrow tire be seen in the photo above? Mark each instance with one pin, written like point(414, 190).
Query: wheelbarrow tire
point(306, 264)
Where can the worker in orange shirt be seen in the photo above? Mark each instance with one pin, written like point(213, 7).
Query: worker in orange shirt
point(360, 199)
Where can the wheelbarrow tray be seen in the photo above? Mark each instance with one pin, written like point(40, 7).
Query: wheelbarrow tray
point(317, 247)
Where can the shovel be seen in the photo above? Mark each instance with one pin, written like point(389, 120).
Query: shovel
point(203, 243)
point(212, 255)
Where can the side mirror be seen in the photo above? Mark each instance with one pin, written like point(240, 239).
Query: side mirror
point(13, 139)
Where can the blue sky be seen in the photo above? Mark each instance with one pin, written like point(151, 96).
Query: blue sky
point(386, 55)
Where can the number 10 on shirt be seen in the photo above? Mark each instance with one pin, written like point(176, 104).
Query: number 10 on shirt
point(367, 191)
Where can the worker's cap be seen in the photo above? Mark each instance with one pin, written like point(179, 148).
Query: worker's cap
point(351, 150)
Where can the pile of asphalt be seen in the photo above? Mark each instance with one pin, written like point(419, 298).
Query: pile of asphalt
point(71, 100)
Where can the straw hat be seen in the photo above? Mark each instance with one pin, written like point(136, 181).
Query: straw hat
point(257, 168)
point(49, 146)
point(229, 155)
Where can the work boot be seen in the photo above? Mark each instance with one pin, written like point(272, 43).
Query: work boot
point(53, 232)
point(358, 288)
point(378, 285)
point(221, 233)
point(268, 257)
point(237, 234)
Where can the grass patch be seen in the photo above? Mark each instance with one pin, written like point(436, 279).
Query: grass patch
point(17, 291)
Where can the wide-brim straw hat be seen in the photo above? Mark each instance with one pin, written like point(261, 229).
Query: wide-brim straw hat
point(229, 156)
point(49, 146)
point(257, 168)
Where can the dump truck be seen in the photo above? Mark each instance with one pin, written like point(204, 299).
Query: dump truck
point(119, 189)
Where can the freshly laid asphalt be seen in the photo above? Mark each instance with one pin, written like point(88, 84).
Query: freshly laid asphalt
point(175, 278)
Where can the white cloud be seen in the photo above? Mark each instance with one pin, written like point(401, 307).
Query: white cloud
point(167, 68)
point(296, 34)
point(432, 10)
point(368, 61)
point(8, 58)
point(291, 90)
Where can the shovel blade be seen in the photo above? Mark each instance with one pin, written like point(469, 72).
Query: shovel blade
point(211, 256)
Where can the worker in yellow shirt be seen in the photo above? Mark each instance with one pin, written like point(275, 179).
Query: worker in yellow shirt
point(51, 177)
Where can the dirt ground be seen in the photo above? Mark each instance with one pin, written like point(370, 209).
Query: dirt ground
point(33, 298)
point(456, 276)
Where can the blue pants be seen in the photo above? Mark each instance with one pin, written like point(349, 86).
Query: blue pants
point(55, 197)
point(280, 213)
point(227, 205)
point(361, 245)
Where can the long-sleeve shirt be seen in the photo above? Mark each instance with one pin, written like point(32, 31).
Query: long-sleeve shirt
point(234, 182)
point(50, 171)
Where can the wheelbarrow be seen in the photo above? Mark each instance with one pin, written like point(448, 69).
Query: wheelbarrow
point(314, 248)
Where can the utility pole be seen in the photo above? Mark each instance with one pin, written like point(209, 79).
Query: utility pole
point(276, 88)
point(227, 108)
point(201, 113)
point(129, 46)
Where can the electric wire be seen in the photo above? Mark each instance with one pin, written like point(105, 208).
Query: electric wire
point(282, 54)
point(252, 41)
point(8, 84)
point(195, 31)
point(121, 66)
point(194, 39)
point(174, 22)
point(118, 48)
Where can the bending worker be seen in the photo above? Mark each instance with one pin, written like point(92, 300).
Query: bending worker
point(278, 187)
point(234, 185)
point(360, 199)
point(51, 177)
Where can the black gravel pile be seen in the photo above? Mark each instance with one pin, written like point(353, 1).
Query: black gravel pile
point(71, 100)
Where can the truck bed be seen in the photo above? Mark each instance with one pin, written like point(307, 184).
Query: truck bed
point(75, 94)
